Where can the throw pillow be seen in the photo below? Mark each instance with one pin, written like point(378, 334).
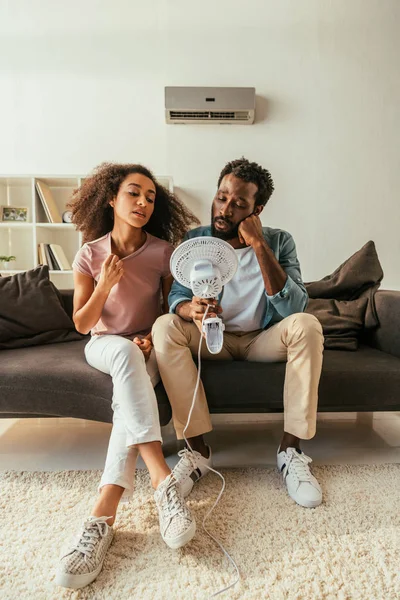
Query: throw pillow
point(344, 301)
point(31, 311)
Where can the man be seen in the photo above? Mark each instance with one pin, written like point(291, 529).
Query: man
point(262, 308)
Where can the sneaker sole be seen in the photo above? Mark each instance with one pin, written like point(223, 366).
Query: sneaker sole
point(309, 504)
point(183, 539)
point(76, 582)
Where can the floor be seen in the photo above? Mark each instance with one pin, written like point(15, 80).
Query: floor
point(237, 441)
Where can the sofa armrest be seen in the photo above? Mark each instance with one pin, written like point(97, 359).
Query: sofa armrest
point(386, 337)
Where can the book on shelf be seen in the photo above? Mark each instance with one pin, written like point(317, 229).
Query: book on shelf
point(55, 265)
point(49, 258)
point(41, 255)
point(50, 207)
point(54, 257)
point(60, 257)
point(44, 257)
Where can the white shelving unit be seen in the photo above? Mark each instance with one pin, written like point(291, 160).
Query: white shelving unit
point(21, 239)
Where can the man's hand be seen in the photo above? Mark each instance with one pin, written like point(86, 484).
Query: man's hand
point(145, 344)
point(250, 231)
point(195, 309)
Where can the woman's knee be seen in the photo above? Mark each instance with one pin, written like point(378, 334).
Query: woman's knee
point(127, 355)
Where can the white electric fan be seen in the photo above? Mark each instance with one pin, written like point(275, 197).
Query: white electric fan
point(206, 264)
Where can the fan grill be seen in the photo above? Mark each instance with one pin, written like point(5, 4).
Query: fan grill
point(219, 252)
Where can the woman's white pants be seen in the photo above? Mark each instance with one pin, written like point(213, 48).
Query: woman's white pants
point(136, 419)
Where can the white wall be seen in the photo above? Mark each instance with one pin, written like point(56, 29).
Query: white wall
point(83, 82)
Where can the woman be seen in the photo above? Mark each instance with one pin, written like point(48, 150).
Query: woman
point(129, 223)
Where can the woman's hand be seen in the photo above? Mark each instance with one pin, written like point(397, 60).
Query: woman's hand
point(145, 344)
point(111, 272)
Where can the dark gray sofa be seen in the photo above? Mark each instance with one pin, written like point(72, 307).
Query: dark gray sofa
point(55, 380)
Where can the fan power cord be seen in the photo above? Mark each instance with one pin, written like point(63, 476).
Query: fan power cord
point(229, 557)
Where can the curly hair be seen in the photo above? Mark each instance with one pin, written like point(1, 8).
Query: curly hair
point(252, 173)
point(93, 215)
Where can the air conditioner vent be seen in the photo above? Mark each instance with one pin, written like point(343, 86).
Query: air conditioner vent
point(192, 105)
point(181, 115)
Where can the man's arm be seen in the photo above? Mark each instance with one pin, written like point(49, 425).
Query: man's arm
point(273, 275)
point(282, 280)
point(178, 294)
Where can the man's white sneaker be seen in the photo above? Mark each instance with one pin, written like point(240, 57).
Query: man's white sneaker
point(301, 484)
point(191, 467)
point(81, 565)
point(177, 525)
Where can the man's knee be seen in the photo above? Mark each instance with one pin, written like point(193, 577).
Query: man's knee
point(306, 325)
point(163, 327)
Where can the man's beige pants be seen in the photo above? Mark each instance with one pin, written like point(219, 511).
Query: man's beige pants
point(297, 339)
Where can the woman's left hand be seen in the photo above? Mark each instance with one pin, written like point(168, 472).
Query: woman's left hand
point(145, 345)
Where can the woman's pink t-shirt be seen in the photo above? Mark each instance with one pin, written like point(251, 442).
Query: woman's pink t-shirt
point(134, 302)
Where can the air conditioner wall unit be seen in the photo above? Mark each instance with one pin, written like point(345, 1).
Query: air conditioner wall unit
point(210, 105)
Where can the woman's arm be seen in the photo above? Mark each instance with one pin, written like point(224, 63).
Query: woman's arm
point(146, 343)
point(88, 300)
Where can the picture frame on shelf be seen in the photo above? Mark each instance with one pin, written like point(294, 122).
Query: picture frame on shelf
point(13, 214)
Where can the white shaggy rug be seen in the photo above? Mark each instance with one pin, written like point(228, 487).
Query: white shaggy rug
point(348, 548)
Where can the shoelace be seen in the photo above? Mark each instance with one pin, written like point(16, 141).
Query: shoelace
point(187, 463)
point(171, 502)
point(92, 530)
point(299, 464)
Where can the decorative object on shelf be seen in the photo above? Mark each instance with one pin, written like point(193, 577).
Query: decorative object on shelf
point(13, 213)
point(50, 207)
point(67, 216)
point(5, 260)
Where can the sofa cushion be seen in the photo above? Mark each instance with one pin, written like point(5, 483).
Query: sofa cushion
point(351, 381)
point(55, 380)
point(31, 311)
point(344, 301)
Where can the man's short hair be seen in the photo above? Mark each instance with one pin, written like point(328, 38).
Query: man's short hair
point(252, 173)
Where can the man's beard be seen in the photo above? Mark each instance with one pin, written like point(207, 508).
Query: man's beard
point(228, 234)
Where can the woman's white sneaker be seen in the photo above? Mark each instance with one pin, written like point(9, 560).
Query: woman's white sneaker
point(191, 467)
point(177, 525)
point(81, 565)
point(301, 484)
